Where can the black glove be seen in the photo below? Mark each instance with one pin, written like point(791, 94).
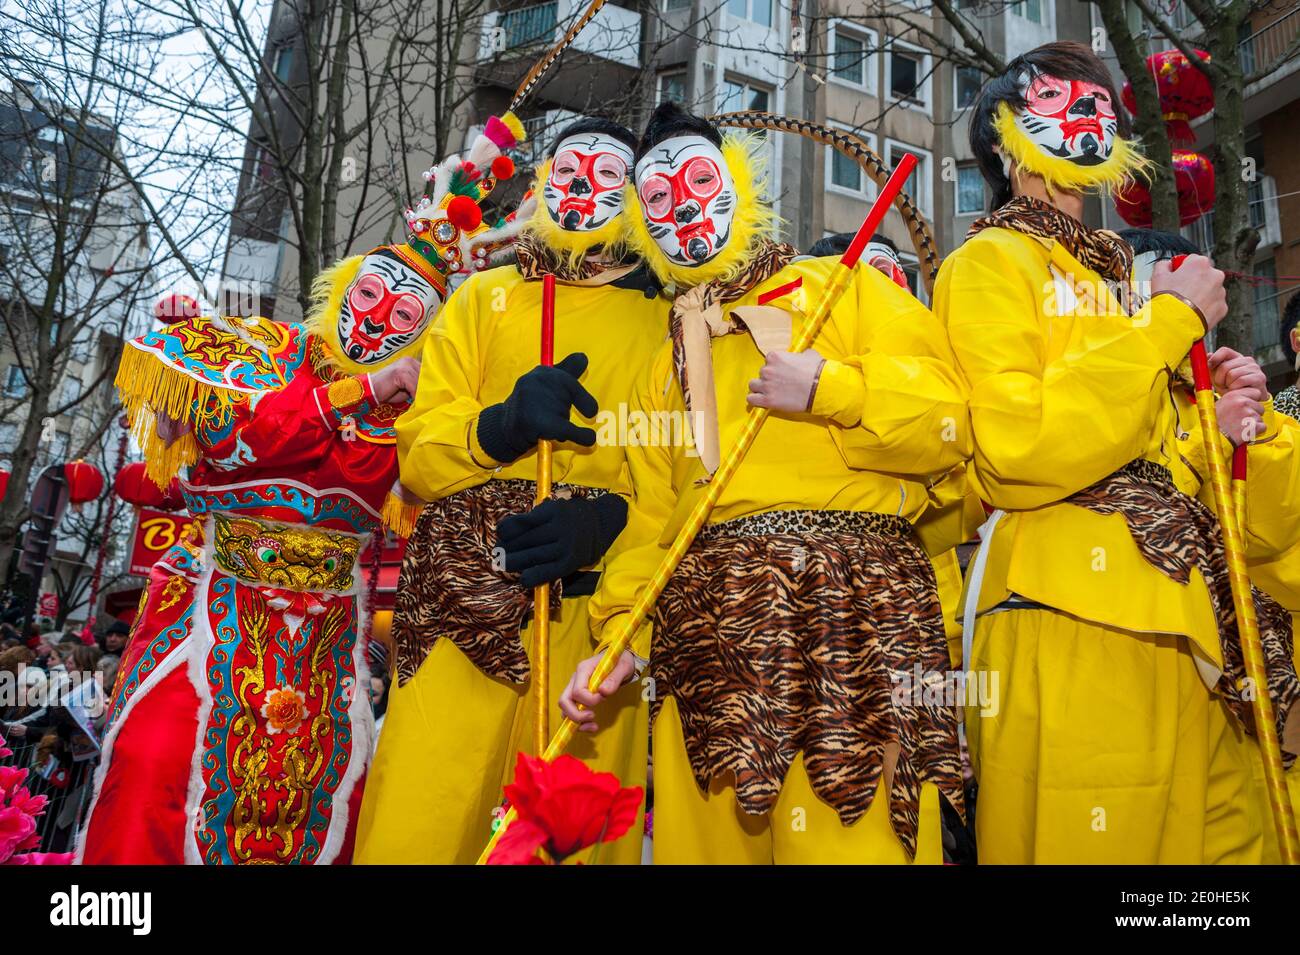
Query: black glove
point(558, 537)
point(539, 408)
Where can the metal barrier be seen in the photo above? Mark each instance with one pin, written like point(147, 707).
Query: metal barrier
point(59, 748)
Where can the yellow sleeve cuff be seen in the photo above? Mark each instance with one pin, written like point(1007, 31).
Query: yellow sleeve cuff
point(1173, 326)
point(841, 394)
point(1271, 425)
point(476, 452)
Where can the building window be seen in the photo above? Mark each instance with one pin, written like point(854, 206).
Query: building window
point(918, 184)
point(850, 60)
point(969, 81)
point(263, 164)
point(970, 190)
point(62, 445)
point(908, 74)
point(738, 94)
point(1031, 10)
point(912, 269)
point(846, 176)
point(8, 440)
point(529, 24)
point(283, 63)
point(677, 4)
point(1266, 293)
point(758, 11)
point(15, 383)
point(71, 390)
point(672, 88)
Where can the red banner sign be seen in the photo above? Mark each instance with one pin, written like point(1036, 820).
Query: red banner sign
point(155, 532)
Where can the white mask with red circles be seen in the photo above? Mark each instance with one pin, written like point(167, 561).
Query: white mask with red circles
point(584, 188)
point(688, 199)
point(1069, 119)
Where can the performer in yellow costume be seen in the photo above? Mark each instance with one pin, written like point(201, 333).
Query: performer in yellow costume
point(955, 512)
point(461, 709)
point(1100, 587)
point(783, 731)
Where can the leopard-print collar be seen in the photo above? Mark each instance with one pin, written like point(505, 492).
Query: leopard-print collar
point(701, 306)
point(1287, 401)
point(1101, 250)
point(534, 258)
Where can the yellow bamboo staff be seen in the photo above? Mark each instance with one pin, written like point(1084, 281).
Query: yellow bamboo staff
point(1229, 504)
point(622, 638)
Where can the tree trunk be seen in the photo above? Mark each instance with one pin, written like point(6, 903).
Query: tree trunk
point(1234, 240)
point(13, 509)
point(1149, 123)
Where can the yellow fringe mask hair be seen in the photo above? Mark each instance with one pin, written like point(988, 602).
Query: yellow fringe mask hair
point(1118, 168)
point(327, 293)
point(573, 247)
point(753, 222)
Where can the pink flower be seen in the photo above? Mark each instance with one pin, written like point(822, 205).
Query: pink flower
point(16, 830)
point(11, 777)
point(41, 858)
point(24, 800)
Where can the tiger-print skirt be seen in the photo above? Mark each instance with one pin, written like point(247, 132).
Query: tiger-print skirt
point(790, 631)
point(1174, 533)
point(451, 586)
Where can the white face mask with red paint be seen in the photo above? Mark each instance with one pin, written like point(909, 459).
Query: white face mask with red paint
point(385, 308)
point(1068, 119)
point(884, 259)
point(584, 188)
point(688, 199)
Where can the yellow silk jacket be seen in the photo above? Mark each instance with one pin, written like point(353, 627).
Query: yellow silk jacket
point(487, 336)
point(1065, 389)
point(889, 417)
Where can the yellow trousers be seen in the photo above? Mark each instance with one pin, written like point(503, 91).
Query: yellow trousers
point(1104, 746)
point(692, 827)
point(449, 745)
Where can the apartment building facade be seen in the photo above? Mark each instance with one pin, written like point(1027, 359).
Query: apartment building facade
point(873, 67)
point(1272, 115)
point(74, 255)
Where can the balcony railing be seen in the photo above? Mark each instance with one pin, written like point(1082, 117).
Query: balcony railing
point(614, 34)
point(1269, 44)
point(528, 25)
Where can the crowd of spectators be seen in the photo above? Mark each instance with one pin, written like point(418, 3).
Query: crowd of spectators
point(53, 690)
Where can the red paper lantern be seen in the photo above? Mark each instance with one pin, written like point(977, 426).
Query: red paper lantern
point(1194, 180)
point(85, 482)
point(134, 486)
point(1185, 92)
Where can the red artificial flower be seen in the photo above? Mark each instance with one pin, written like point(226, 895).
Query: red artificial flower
point(518, 845)
point(567, 807)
